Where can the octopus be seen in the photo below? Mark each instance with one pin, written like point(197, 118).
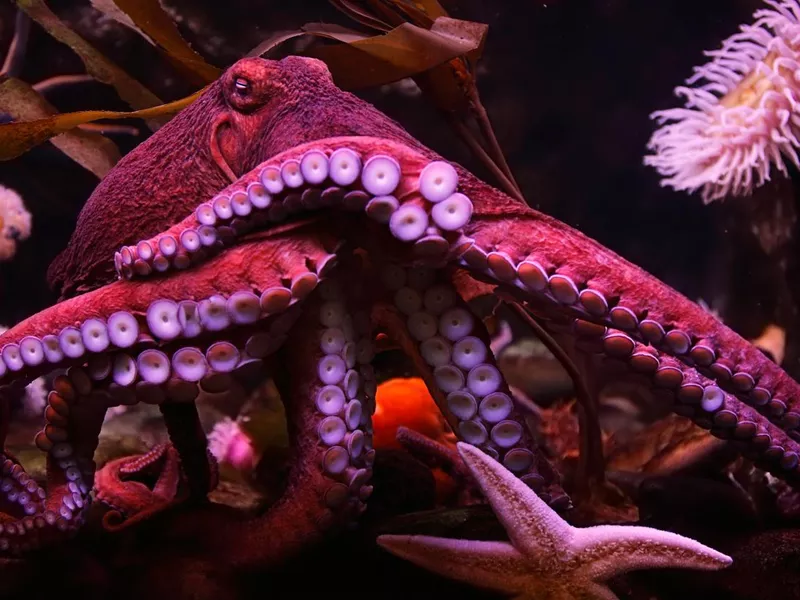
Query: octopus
point(276, 227)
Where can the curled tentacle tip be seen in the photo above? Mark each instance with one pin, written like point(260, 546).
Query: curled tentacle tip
point(229, 444)
point(740, 117)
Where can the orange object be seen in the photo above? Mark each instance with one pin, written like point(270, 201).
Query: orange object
point(406, 402)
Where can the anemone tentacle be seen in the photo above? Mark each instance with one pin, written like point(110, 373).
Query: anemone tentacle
point(741, 111)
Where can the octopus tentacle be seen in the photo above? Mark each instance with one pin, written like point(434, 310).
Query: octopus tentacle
point(162, 336)
point(438, 455)
point(75, 414)
point(187, 435)
point(573, 275)
point(117, 486)
point(396, 186)
point(135, 488)
point(629, 314)
point(18, 489)
point(697, 397)
point(405, 188)
point(143, 320)
point(451, 348)
point(328, 388)
point(130, 500)
point(393, 184)
point(184, 318)
point(151, 342)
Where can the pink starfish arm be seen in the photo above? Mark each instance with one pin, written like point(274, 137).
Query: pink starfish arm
point(547, 558)
point(532, 526)
point(495, 566)
point(608, 550)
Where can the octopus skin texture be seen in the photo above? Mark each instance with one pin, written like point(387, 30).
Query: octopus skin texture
point(276, 226)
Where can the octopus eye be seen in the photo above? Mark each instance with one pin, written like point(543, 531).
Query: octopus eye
point(242, 86)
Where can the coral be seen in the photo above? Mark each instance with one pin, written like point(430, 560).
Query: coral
point(741, 116)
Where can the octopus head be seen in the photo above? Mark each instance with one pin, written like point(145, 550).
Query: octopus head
point(257, 94)
point(239, 121)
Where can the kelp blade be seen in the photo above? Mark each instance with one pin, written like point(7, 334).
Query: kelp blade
point(18, 138)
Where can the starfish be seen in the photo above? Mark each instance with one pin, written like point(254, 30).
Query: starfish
point(546, 557)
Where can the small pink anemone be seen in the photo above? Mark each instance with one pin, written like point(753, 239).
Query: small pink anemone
point(230, 445)
point(741, 114)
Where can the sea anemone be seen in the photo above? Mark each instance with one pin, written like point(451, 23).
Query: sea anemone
point(232, 446)
point(741, 113)
point(15, 222)
point(35, 400)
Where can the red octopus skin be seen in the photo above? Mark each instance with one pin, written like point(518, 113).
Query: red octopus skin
point(293, 106)
point(162, 180)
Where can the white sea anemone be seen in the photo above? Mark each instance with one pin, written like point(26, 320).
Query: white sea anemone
point(15, 222)
point(741, 115)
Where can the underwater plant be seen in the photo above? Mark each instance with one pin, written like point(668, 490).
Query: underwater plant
point(742, 113)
